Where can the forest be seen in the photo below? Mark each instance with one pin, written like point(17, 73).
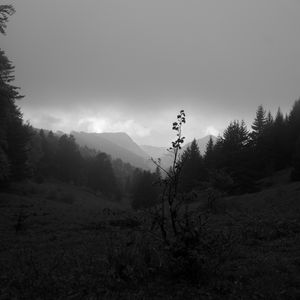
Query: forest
point(174, 227)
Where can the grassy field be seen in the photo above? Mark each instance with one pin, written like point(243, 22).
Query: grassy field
point(62, 242)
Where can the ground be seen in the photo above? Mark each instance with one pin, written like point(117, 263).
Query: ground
point(63, 242)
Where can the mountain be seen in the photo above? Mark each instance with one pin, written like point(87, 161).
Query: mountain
point(154, 152)
point(117, 145)
point(123, 140)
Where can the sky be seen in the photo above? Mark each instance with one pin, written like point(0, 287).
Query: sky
point(132, 65)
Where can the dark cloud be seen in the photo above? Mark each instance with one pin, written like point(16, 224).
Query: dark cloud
point(135, 63)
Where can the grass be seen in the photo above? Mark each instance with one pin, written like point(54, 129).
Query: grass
point(73, 245)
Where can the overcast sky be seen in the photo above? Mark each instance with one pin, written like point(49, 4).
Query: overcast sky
point(131, 65)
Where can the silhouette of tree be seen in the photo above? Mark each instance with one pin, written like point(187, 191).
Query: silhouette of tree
point(259, 124)
point(234, 143)
point(68, 159)
point(192, 167)
point(209, 154)
point(5, 12)
point(145, 191)
point(101, 177)
point(295, 175)
point(294, 126)
point(280, 142)
point(232, 153)
point(14, 135)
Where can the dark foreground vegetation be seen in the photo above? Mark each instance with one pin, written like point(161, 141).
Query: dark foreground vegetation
point(75, 224)
point(61, 242)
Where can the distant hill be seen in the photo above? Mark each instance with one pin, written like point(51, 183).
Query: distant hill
point(123, 140)
point(154, 152)
point(117, 145)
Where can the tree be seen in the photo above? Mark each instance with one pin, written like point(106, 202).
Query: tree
point(209, 154)
point(68, 159)
point(280, 146)
point(100, 175)
point(295, 175)
point(259, 123)
point(234, 143)
point(294, 126)
point(192, 167)
point(5, 12)
point(146, 191)
point(14, 135)
point(233, 156)
point(4, 166)
point(47, 166)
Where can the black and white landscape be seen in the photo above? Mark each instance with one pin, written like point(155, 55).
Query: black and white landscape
point(149, 149)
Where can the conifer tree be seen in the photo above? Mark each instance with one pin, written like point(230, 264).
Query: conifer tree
point(280, 146)
point(68, 159)
point(269, 119)
point(209, 154)
point(259, 123)
point(5, 12)
point(100, 175)
point(14, 135)
point(192, 167)
point(235, 153)
point(294, 126)
point(295, 175)
point(145, 190)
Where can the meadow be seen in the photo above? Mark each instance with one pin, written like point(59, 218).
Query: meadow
point(59, 241)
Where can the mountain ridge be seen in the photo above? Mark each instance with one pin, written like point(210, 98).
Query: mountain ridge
point(117, 145)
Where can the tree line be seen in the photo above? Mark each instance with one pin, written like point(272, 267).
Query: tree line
point(241, 157)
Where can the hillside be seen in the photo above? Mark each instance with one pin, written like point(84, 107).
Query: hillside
point(117, 145)
point(154, 152)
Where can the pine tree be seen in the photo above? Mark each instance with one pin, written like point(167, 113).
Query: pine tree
point(145, 190)
point(269, 120)
point(294, 126)
point(209, 154)
point(68, 159)
point(259, 123)
point(5, 12)
point(235, 152)
point(280, 147)
point(192, 167)
point(14, 135)
point(101, 176)
point(295, 175)
point(235, 137)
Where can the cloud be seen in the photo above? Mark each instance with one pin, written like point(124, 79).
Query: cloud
point(86, 120)
point(118, 70)
point(211, 130)
point(130, 126)
point(45, 121)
